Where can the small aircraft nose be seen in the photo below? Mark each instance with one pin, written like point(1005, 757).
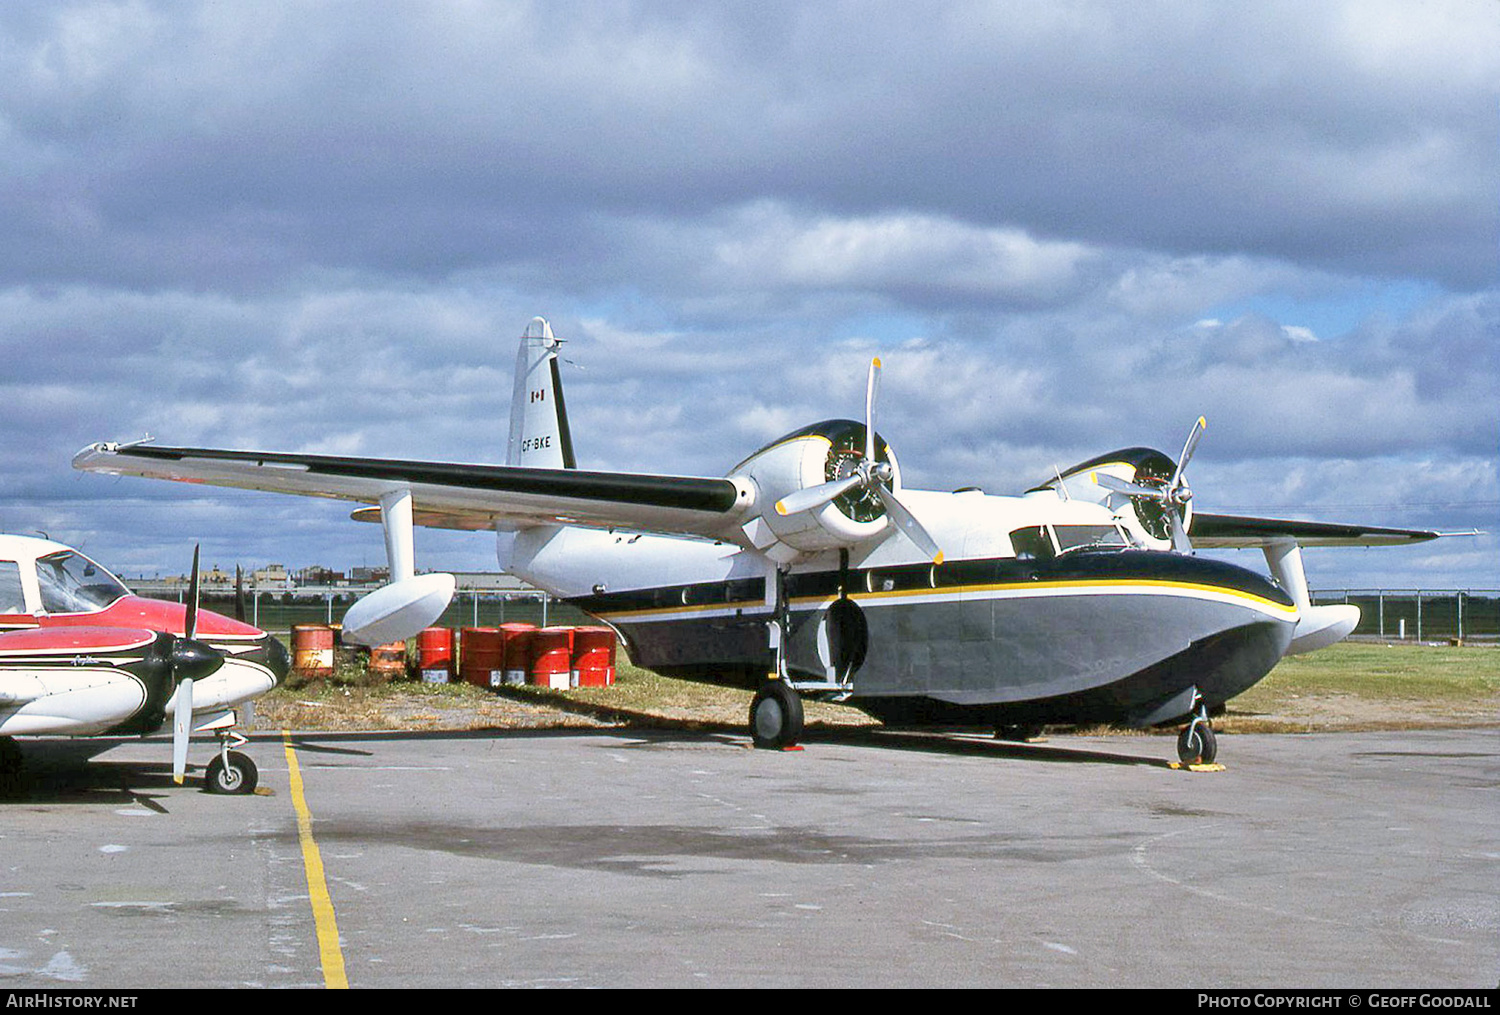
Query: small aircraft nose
point(278, 659)
point(193, 660)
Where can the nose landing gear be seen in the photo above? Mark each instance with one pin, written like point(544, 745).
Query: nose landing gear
point(231, 771)
point(1196, 744)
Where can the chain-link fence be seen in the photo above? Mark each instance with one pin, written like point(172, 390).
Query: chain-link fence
point(1422, 614)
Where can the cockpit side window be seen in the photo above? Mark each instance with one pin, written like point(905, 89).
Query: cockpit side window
point(71, 583)
point(1032, 543)
point(12, 598)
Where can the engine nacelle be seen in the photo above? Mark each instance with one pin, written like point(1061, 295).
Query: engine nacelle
point(1145, 517)
point(817, 454)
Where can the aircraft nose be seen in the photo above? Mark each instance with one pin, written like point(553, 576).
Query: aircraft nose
point(278, 659)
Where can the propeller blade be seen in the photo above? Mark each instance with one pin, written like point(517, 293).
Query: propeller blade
point(908, 524)
point(1119, 485)
point(872, 387)
point(1187, 451)
point(239, 593)
point(1180, 541)
point(190, 622)
point(182, 725)
point(816, 496)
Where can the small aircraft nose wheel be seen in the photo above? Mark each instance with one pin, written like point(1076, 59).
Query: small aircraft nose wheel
point(1196, 744)
point(775, 716)
point(231, 772)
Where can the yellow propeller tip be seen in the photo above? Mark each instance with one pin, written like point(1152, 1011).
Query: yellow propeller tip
point(875, 361)
point(1202, 421)
point(939, 558)
point(780, 508)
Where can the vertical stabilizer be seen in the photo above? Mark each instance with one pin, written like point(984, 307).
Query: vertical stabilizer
point(539, 436)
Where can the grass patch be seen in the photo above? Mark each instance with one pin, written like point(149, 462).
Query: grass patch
point(1370, 685)
point(1384, 672)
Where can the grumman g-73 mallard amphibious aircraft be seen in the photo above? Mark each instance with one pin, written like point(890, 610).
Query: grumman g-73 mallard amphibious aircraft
point(810, 570)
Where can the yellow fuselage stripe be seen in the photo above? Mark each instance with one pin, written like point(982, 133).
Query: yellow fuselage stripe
point(329, 952)
point(1105, 585)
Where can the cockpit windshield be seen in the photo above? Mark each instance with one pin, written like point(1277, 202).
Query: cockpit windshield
point(1036, 542)
point(71, 583)
point(1079, 537)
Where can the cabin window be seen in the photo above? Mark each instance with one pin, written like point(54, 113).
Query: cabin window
point(12, 599)
point(71, 583)
point(1031, 543)
point(1078, 537)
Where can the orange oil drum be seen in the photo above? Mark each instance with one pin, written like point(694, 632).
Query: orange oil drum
point(389, 660)
point(435, 655)
point(593, 657)
point(517, 651)
point(481, 656)
point(552, 657)
point(312, 650)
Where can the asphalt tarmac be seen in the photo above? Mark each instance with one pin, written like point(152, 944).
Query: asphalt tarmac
point(597, 859)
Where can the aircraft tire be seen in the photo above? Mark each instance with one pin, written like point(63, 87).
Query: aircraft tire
point(239, 776)
point(1197, 745)
point(775, 716)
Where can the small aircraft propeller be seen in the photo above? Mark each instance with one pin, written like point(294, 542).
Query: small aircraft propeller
point(1174, 495)
point(869, 475)
point(191, 660)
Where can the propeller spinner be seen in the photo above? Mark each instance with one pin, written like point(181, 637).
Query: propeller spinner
point(1172, 496)
point(870, 477)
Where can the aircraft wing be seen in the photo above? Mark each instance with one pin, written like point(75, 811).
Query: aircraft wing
point(450, 495)
point(1235, 532)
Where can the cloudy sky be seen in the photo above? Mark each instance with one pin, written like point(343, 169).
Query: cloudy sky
point(1066, 227)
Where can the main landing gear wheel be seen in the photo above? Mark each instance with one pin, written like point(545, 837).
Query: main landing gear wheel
point(1196, 744)
point(231, 773)
point(775, 716)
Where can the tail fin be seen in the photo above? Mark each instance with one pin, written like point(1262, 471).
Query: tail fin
point(539, 436)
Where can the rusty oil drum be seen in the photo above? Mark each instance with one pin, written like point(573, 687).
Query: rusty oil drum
point(312, 651)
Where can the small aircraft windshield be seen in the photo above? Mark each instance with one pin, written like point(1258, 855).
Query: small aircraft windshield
point(1077, 537)
point(71, 583)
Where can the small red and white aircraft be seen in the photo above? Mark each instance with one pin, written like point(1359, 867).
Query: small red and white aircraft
point(80, 656)
point(810, 570)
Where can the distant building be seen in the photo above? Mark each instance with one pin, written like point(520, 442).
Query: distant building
point(369, 575)
point(272, 576)
point(317, 574)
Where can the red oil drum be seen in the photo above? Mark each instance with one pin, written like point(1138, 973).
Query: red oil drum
point(435, 655)
point(312, 650)
point(517, 651)
point(593, 657)
point(481, 656)
point(388, 661)
point(552, 657)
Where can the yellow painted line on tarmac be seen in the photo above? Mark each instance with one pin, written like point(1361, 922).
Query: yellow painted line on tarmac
point(330, 954)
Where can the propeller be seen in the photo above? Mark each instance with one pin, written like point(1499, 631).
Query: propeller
point(1173, 495)
point(869, 475)
point(191, 660)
